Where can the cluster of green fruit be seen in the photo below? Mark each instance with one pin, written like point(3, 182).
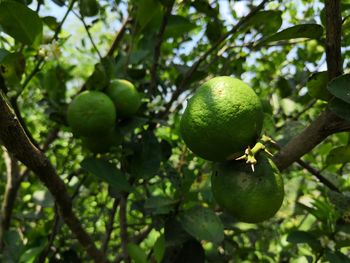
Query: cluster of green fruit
point(92, 115)
point(223, 119)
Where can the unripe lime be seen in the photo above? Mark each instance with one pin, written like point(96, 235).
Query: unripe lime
point(91, 113)
point(126, 98)
point(223, 117)
point(249, 196)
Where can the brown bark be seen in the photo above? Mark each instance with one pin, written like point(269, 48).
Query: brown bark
point(18, 144)
point(12, 185)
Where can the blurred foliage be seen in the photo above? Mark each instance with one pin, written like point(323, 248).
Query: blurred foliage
point(280, 53)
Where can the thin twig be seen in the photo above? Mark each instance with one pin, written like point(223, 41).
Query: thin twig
point(88, 33)
point(137, 239)
point(318, 175)
point(310, 169)
point(12, 186)
point(118, 37)
point(109, 225)
point(41, 59)
point(123, 228)
point(51, 238)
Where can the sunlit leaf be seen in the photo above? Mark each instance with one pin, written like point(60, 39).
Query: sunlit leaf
point(311, 31)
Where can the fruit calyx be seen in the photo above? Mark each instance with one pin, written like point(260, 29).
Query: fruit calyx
point(250, 153)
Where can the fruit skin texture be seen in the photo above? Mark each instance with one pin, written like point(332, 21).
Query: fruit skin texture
point(222, 118)
point(126, 98)
point(91, 113)
point(249, 196)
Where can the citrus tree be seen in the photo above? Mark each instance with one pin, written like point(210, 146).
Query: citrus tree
point(174, 131)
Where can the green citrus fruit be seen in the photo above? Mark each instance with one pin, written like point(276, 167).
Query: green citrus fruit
point(102, 144)
point(126, 98)
point(249, 196)
point(91, 113)
point(222, 118)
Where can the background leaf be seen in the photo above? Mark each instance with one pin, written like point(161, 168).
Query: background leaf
point(340, 87)
point(203, 224)
point(312, 31)
point(107, 172)
point(20, 22)
point(136, 253)
point(340, 108)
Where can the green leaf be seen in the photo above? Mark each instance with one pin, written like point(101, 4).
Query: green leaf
point(214, 30)
point(178, 26)
point(59, 2)
point(340, 87)
point(148, 11)
point(340, 201)
point(284, 87)
point(160, 204)
point(336, 257)
point(339, 155)
point(191, 251)
point(51, 22)
point(317, 86)
point(88, 7)
point(312, 31)
point(12, 66)
point(130, 125)
point(146, 161)
point(300, 237)
point(159, 249)
point(174, 233)
point(31, 254)
point(107, 172)
point(53, 83)
point(20, 22)
point(136, 253)
point(203, 224)
point(340, 108)
point(266, 22)
point(14, 244)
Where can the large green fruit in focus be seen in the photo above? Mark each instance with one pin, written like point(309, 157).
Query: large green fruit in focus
point(249, 196)
point(126, 98)
point(223, 117)
point(91, 113)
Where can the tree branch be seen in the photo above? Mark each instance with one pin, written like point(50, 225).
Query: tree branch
point(12, 185)
point(157, 48)
point(333, 38)
point(323, 126)
point(109, 225)
point(18, 144)
point(327, 123)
